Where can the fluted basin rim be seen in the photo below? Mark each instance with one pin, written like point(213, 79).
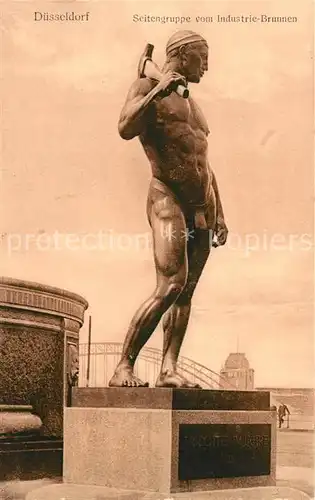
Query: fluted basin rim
point(32, 285)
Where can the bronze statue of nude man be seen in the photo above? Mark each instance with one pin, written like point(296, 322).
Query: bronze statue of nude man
point(184, 207)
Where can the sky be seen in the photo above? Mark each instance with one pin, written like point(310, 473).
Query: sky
point(73, 193)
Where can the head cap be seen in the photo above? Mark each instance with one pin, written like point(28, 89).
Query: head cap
point(183, 38)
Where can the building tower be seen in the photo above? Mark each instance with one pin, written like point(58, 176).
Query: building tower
point(237, 371)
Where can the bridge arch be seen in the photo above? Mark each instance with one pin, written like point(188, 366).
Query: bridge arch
point(104, 357)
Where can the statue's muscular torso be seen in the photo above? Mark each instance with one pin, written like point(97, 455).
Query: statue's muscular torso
point(175, 142)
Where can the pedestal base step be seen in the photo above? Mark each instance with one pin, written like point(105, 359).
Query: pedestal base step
point(28, 457)
point(87, 492)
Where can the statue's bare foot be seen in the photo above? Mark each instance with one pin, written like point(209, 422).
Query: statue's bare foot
point(124, 377)
point(174, 379)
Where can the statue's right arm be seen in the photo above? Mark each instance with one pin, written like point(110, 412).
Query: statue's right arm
point(132, 118)
point(143, 92)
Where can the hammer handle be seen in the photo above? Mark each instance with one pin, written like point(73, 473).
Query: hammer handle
point(182, 91)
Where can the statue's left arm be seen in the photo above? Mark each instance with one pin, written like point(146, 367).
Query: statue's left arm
point(221, 229)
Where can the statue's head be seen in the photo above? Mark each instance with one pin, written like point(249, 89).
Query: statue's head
point(189, 51)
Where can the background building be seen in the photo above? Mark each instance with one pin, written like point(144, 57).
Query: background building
point(237, 371)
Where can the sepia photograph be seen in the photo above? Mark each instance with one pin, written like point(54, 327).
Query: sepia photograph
point(157, 250)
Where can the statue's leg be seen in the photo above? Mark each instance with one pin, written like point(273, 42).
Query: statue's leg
point(170, 255)
point(175, 320)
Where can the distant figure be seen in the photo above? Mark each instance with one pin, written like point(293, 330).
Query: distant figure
point(283, 410)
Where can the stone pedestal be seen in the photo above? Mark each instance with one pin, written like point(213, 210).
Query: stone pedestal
point(167, 440)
